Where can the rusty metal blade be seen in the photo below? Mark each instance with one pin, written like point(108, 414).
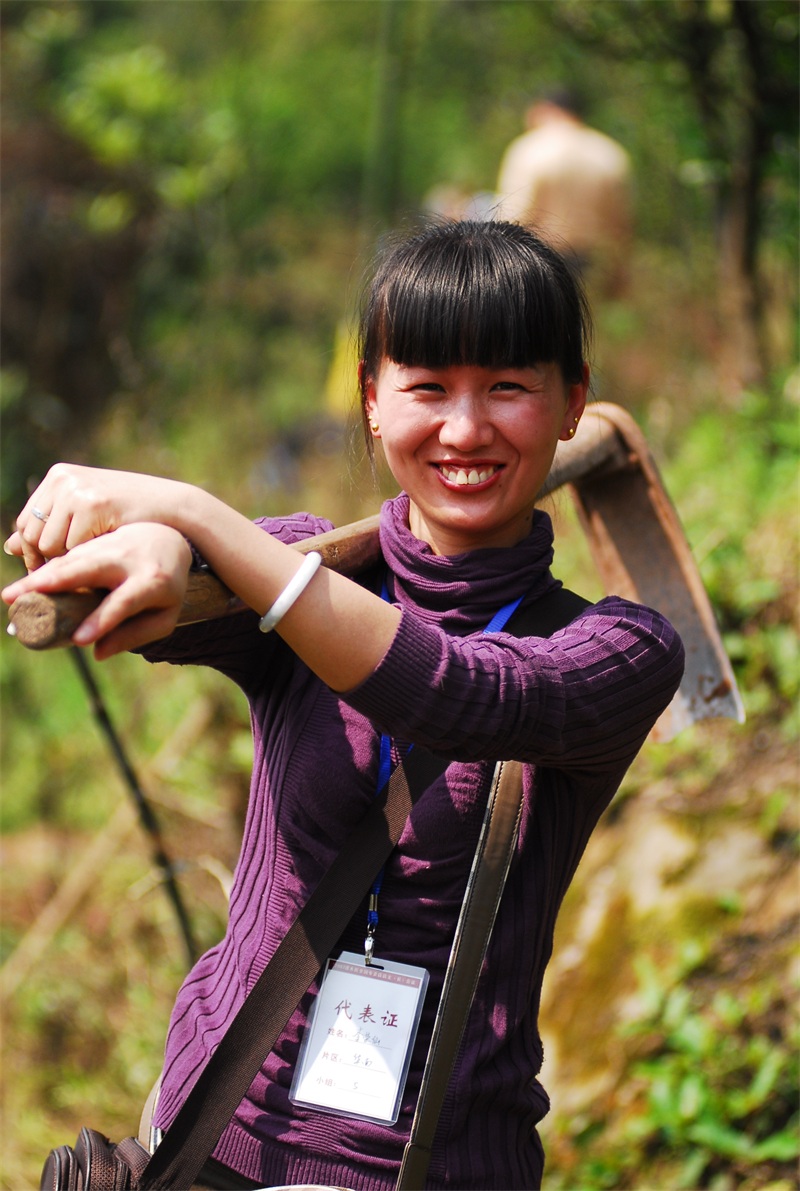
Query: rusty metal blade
point(641, 552)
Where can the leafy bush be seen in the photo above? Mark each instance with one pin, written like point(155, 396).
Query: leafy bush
point(713, 1101)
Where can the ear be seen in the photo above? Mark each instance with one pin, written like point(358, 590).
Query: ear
point(370, 404)
point(576, 404)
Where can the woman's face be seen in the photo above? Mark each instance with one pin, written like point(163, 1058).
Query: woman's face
point(471, 446)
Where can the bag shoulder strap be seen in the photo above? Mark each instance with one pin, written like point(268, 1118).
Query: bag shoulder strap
point(490, 866)
point(552, 611)
point(226, 1077)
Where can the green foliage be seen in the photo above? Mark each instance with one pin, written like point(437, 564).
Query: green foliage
point(131, 108)
point(218, 166)
point(714, 1101)
point(720, 1086)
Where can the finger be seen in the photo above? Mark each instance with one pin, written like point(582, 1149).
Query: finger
point(13, 545)
point(29, 530)
point(135, 632)
point(129, 598)
point(30, 582)
point(48, 522)
point(37, 506)
point(33, 558)
point(60, 574)
point(45, 495)
point(46, 534)
point(40, 535)
point(54, 537)
point(92, 515)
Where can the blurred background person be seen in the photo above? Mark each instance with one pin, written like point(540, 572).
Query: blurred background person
point(573, 186)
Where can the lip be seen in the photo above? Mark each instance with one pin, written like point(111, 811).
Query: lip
point(469, 475)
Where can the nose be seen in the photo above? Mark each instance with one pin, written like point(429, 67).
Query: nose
point(466, 425)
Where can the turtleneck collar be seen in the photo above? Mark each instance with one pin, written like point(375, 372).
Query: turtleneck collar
point(462, 592)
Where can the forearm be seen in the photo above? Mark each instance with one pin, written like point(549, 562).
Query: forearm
point(340, 630)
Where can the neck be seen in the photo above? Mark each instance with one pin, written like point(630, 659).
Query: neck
point(446, 543)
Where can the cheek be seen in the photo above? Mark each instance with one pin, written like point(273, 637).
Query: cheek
point(403, 430)
point(534, 439)
point(527, 431)
point(397, 453)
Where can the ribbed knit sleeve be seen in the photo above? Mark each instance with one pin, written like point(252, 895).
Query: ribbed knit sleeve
point(584, 698)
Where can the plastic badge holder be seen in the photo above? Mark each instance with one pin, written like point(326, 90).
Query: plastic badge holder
point(356, 1052)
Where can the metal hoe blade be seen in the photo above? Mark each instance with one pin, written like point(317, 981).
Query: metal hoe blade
point(641, 552)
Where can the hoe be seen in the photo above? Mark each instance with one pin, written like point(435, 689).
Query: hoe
point(634, 534)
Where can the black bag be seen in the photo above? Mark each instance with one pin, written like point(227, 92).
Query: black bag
point(95, 1164)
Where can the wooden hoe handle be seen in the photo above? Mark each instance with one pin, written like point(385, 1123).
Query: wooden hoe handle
point(634, 534)
point(41, 621)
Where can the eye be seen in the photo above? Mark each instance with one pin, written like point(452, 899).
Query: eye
point(427, 386)
point(508, 386)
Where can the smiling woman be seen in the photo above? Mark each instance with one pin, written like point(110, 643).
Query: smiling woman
point(472, 367)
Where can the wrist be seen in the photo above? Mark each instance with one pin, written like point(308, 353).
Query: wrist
point(187, 509)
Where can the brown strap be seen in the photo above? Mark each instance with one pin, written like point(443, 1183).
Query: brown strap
point(487, 879)
point(227, 1075)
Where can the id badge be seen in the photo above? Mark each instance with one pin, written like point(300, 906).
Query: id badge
point(357, 1050)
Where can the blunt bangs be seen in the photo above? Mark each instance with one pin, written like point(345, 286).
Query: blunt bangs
point(489, 294)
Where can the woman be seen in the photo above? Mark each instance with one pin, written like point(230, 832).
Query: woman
point(473, 346)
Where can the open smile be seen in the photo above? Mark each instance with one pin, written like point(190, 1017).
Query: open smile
point(468, 477)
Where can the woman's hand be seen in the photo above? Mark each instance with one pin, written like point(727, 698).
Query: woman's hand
point(74, 504)
point(144, 567)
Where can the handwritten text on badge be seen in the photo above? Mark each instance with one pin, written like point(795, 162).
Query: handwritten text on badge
point(357, 1051)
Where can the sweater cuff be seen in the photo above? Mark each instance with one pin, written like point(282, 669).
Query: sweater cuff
point(402, 681)
point(198, 564)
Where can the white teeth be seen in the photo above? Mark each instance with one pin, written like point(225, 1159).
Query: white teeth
point(462, 477)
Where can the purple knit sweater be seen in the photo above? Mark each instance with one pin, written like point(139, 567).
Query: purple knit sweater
point(575, 709)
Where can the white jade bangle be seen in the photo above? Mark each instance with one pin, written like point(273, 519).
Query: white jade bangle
point(292, 591)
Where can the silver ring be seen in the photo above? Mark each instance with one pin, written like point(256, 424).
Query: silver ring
point(39, 515)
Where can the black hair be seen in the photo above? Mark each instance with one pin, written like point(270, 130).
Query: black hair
point(472, 292)
point(565, 98)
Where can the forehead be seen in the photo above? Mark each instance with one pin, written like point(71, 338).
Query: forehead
point(395, 372)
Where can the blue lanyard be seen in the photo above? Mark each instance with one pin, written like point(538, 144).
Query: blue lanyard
point(495, 625)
